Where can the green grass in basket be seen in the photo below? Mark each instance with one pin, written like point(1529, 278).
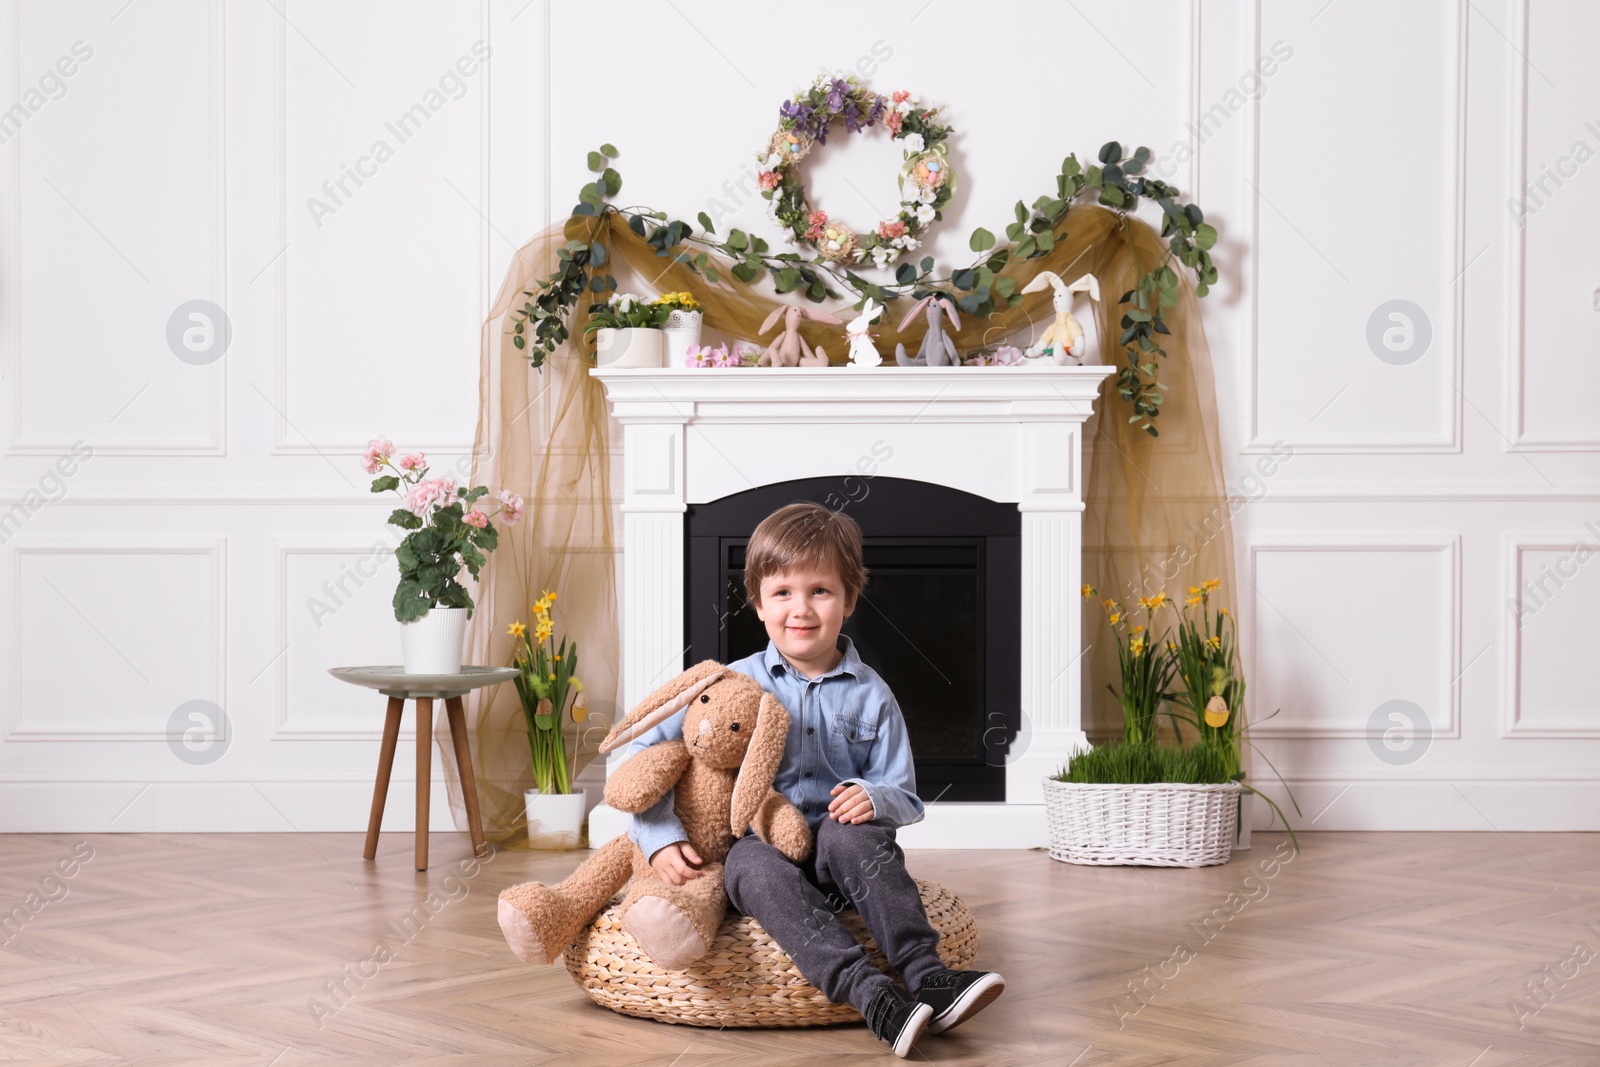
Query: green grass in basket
point(1141, 764)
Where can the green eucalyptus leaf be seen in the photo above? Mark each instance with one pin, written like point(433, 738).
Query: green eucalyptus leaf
point(705, 223)
point(981, 241)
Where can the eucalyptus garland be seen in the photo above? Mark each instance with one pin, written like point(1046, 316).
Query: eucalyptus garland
point(1116, 181)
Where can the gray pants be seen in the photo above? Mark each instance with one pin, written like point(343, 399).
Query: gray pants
point(853, 865)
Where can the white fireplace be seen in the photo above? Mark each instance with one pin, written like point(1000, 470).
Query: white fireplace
point(1010, 434)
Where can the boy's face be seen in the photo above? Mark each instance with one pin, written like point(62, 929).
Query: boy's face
point(803, 610)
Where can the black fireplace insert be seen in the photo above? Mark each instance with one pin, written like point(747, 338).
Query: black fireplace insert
point(940, 618)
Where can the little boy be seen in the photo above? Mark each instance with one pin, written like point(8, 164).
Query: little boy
point(847, 767)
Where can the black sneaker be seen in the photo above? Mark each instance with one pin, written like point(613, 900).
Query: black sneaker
point(897, 1019)
point(956, 996)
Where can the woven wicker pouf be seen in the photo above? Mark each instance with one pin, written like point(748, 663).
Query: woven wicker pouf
point(745, 979)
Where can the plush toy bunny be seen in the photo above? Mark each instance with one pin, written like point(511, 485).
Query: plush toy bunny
point(937, 350)
point(1063, 338)
point(863, 353)
point(721, 771)
point(791, 349)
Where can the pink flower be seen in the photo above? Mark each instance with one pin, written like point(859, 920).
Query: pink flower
point(378, 450)
point(901, 96)
point(770, 179)
point(475, 518)
point(895, 121)
point(415, 461)
point(511, 507)
point(890, 230)
point(817, 220)
point(429, 494)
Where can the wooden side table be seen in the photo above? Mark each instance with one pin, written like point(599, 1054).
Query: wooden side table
point(398, 686)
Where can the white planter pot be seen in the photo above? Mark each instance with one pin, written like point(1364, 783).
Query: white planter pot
point(1157, 825)
point(681, 331)
point(555, 820)
point(632, 347)
point(432, 644)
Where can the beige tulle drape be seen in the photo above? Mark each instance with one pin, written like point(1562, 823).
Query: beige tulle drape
point(1157, 517)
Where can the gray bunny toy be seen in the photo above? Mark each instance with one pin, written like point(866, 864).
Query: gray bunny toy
point(938, 350)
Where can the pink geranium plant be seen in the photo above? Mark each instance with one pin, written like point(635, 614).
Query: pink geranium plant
point(448, 529)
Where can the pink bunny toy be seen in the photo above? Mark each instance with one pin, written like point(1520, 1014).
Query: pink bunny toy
point(791, 349)
point(937, 350)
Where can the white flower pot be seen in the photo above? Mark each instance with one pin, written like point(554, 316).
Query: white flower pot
point(555, 820)
point(631, 347)
point(432, 644)
point(682, 330)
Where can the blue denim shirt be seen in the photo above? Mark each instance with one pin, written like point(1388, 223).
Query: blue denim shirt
point(844, 726)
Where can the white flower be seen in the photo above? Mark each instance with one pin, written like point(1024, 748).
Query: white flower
point(913, 143)
point(925, 213)
point(881, 256)
point(771, 162)
point(624, 302)
point(859, 254)
point(926, 196)
point(908, 105)
point(908, 242)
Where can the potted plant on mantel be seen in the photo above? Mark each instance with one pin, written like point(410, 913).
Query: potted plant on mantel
point(548, 677)
point(1147, 802)
point(627, 331)
point(447, 530)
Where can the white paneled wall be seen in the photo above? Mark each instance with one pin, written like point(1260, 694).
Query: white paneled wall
point(1420, 495)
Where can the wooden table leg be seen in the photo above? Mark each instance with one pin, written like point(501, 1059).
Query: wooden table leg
point(380, 788)
point(424, 776)
point(469, 784)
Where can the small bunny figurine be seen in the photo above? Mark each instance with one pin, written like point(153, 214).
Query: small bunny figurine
point(791, 349)
point(1063, 338)
point(937, 350)
point(863, 353)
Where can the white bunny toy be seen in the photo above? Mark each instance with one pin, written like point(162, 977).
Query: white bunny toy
point(863, 353)
point(1063, 338)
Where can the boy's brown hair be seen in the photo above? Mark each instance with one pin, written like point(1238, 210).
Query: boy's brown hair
point(805, 535)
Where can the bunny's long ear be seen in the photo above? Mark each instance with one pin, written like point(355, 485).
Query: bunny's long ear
point(915, 310)
point(772, 319)
point(1086, 284)
point(1042, 279)
point(664, 703)
point(950, 310)
point(761, 761)
point(821, 316)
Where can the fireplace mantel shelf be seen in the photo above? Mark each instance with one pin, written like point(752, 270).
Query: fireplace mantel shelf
point(937, 394)
point(1008, 434)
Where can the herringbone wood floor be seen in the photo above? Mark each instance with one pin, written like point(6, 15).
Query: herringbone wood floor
point(1363, 949)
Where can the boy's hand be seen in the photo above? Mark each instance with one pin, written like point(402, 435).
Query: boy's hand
point(673, 862)
point(850, 804)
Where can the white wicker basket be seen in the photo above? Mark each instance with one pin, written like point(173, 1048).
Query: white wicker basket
point(1160, 825)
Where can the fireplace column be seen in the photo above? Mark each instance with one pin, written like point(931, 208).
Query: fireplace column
point(1052, 575)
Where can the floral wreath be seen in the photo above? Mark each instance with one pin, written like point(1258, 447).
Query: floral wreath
point(926, 180)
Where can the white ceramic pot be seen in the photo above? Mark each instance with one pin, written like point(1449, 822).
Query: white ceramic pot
point(432, 644)
point(631, 347)
point(555, 820)
point(681, 331)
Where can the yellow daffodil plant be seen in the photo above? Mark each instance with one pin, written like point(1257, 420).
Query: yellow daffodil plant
point(1146, 661)
point(548, 678)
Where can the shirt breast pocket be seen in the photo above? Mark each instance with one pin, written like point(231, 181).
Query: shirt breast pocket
point(852, 742)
